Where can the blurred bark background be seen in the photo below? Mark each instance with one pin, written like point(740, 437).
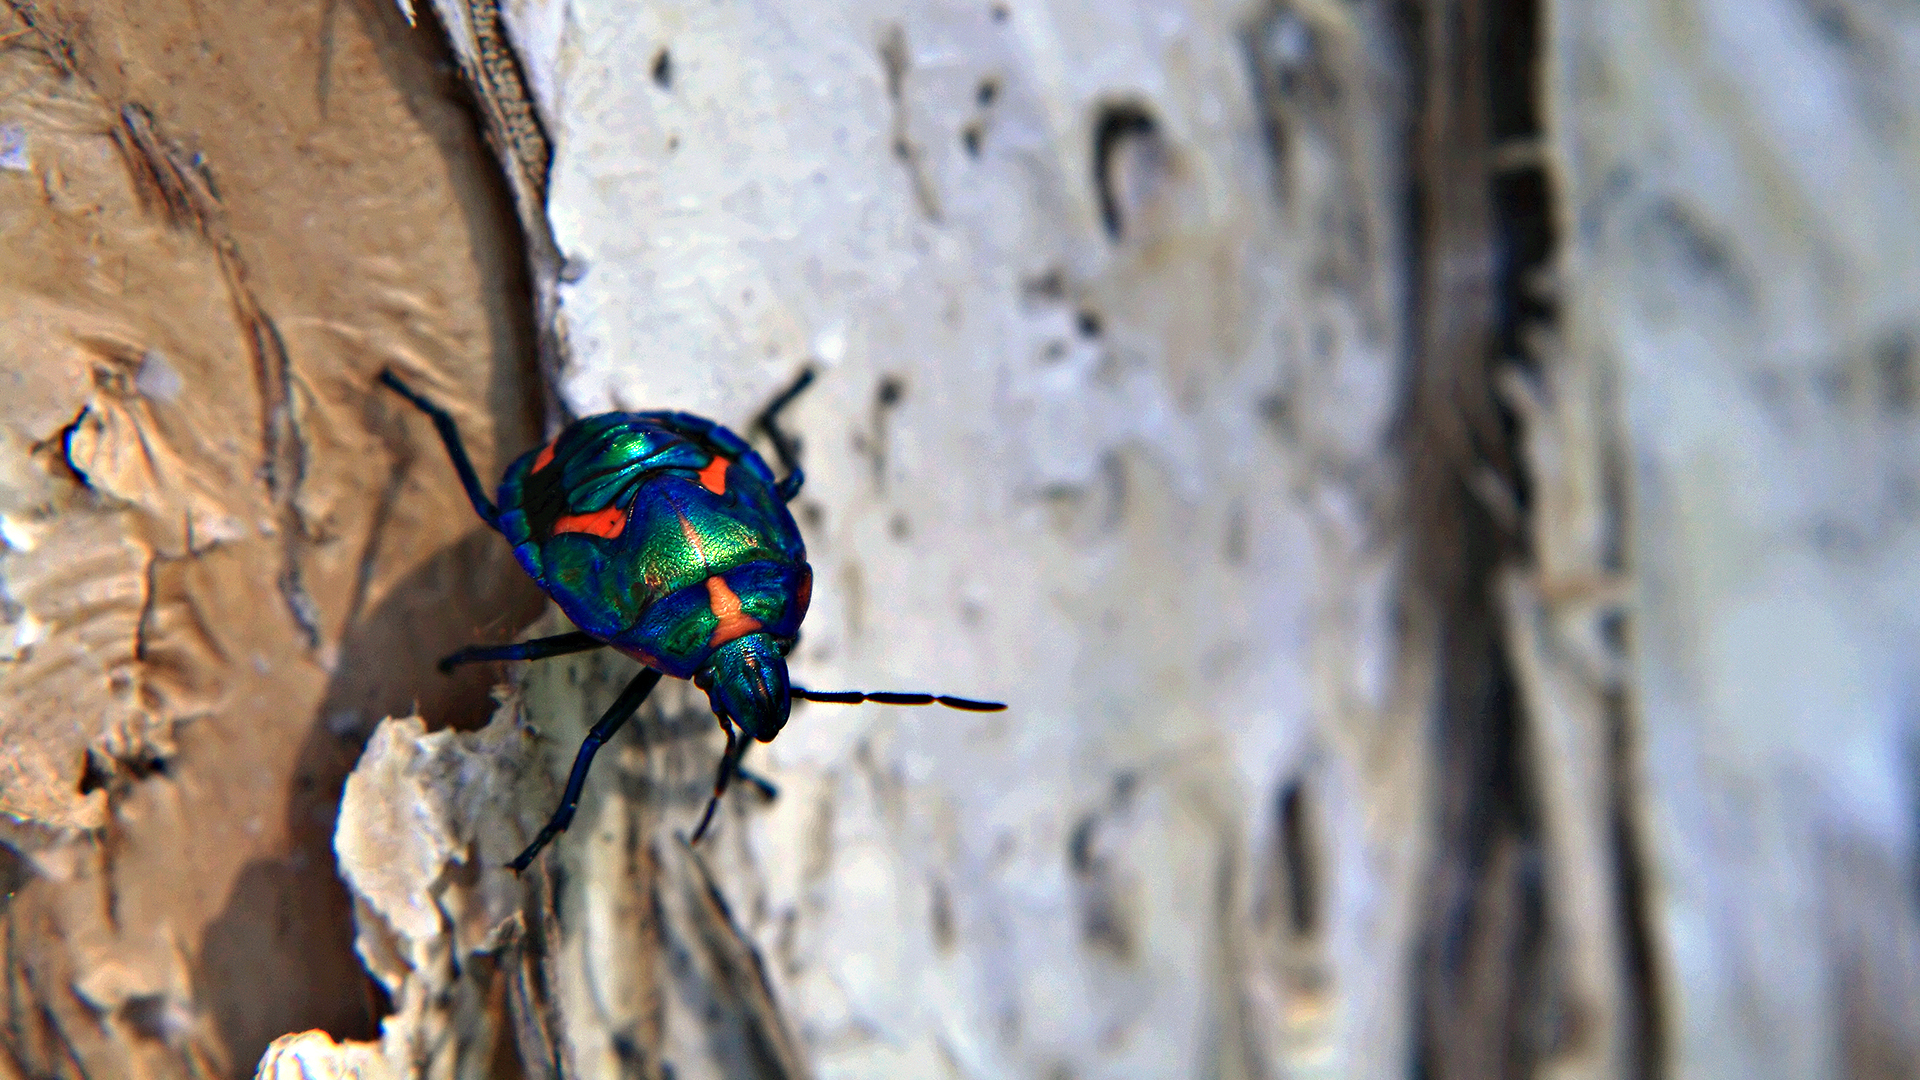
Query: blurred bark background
point(1438, 483)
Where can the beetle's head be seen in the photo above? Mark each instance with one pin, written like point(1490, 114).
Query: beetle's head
point(746, 680)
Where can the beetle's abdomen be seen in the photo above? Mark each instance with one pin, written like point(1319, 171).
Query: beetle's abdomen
point(658, 533)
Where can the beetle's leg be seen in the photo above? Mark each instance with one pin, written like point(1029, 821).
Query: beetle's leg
point(785, 446)
point(767, 787)
point(729, 764)
point(617, 714)
point(537, 649)
point(450, 435)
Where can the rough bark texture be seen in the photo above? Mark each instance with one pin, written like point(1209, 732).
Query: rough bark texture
point(1435, 481)
point(222, 562)
point(1743, 286)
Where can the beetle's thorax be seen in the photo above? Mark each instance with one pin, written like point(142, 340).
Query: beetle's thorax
point(746, 682)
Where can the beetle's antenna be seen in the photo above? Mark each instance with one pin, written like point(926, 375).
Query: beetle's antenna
point(890, 697)
point(450, 435)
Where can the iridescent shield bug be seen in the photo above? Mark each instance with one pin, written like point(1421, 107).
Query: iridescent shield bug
point(665, 536)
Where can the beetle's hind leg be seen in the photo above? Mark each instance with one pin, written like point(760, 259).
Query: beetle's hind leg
point(449, 435)
point(785, 446)
point(537, 649)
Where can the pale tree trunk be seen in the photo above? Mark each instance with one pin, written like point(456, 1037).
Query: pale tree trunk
point(1435, 483)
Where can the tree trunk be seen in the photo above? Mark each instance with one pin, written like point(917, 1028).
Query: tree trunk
point(1433, 481)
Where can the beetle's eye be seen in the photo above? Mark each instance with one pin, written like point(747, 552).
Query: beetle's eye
point(703, 680)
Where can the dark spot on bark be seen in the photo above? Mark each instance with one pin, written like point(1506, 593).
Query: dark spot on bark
point(1118, 124)
point(1080, 845)
point(940, 915)
point(1235, 547)
point(1298, 862)
point(99, 772)
point(1277, 413)
point(94, 775)
point(15, 872)
point(148, 1015)
point(1049, 285)
point(1895, 364)
point(1677, 232)
point(1832, 21)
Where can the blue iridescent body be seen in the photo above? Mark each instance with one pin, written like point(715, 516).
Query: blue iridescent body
point(665, 536)
point(660, 534)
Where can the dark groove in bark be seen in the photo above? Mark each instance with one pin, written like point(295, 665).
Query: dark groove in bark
point(1117, 123)
point(1488, 1000)
point(1297, 857)
point(1481, 965)
point(1646, 1033)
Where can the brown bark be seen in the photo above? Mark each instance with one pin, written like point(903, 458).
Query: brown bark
point(221, 223)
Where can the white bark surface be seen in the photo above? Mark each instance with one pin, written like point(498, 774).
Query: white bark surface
point(1117, 478)
point(1122, 465)
point(1127, 465)
point(1742, 209)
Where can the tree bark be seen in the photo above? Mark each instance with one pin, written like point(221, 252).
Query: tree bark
point(1433, 481)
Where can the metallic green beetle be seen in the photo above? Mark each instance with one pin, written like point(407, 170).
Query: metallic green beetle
point(665, 536)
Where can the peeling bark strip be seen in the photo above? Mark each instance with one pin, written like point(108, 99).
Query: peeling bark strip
point(57, 48)
point(1482, 951)
point(745, 1026)
point(494, 74)
point(1118, 125)
point(1507, 985)
point(183, 184)
point(506, 102)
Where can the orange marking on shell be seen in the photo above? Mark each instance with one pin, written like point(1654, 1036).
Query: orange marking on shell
point(693, 537)
point(545, 457)
point(726, 608)
point(607, 523)
point(714, 476)
point(803, 593)
point(640, 656)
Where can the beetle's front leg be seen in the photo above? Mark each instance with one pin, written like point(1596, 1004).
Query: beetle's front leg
point(616, 715)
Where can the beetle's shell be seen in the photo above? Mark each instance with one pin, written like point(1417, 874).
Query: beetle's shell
point(619, 520)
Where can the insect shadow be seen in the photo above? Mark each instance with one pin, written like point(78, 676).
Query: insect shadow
point(385, 667)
